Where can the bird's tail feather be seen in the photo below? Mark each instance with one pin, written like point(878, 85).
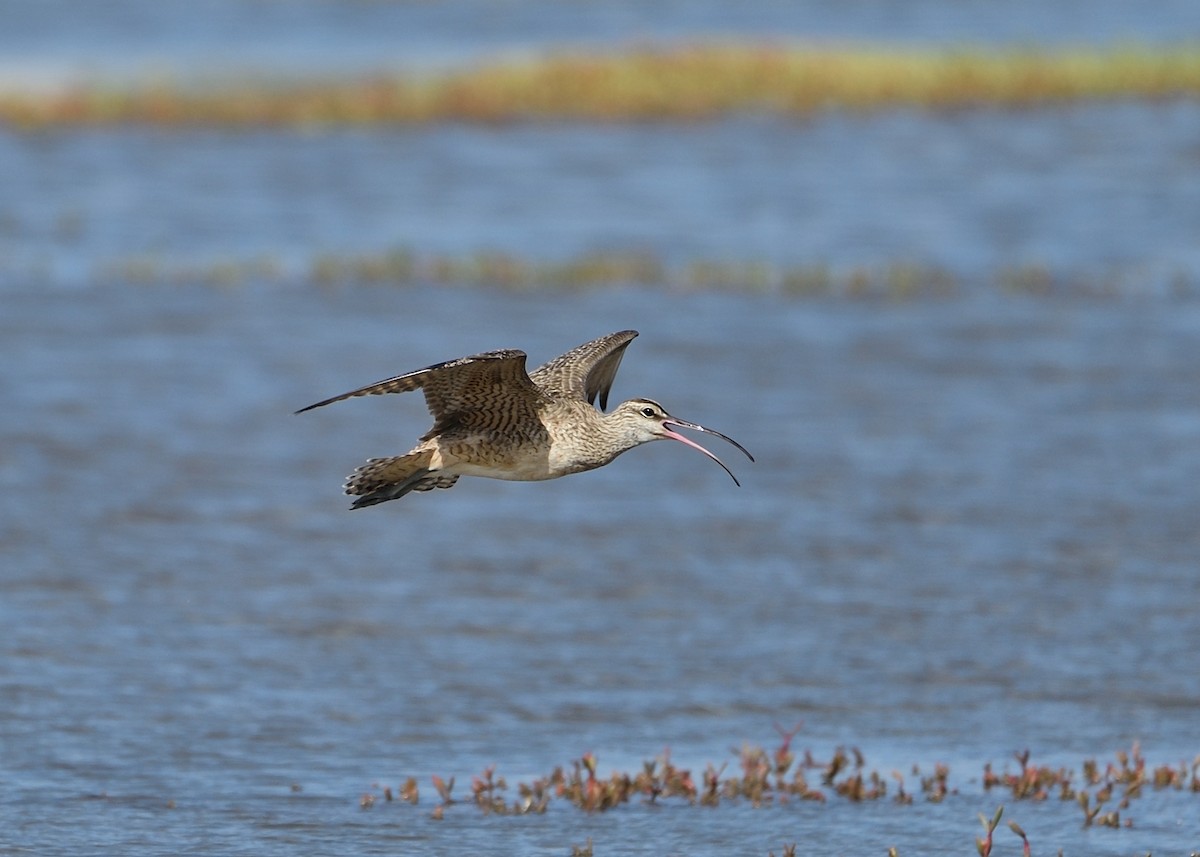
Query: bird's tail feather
point(383, 479)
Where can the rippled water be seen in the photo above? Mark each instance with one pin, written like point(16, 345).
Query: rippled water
point(970, 530)
point(1094, 192)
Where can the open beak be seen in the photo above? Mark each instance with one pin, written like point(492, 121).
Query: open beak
point(670, 422)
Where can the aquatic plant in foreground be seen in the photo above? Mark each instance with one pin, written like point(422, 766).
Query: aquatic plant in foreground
point(761, 778)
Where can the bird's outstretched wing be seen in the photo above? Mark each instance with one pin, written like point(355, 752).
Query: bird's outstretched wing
point(587, 371)
point(493, 383)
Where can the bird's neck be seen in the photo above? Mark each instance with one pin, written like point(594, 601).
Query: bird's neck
point(593, 440)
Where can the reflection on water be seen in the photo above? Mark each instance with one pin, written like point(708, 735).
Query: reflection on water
point(970, 531)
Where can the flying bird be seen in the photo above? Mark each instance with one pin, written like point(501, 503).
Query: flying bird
point(491, 418)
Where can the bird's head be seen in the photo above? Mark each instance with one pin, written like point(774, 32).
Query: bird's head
point(644, 420)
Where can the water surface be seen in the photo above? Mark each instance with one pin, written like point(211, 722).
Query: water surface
point(49, 42)
point(971, 530)
point(1092, 193)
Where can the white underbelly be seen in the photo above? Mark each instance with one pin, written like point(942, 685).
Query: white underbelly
point(522, 464)
point(517, 465)
point(522, 471)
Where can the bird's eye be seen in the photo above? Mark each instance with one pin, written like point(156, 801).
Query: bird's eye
point(647, 412)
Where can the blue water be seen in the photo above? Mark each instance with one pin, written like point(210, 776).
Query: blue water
point(1104, 193)
point(971, 528)
point(57, 40)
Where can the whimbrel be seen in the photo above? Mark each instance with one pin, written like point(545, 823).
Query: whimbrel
point(492, 419)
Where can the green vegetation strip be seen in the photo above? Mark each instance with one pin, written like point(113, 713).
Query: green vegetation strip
point(694, 82)
point(493, 270)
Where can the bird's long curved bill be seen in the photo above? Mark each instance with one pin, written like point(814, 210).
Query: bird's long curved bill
point(672, 421)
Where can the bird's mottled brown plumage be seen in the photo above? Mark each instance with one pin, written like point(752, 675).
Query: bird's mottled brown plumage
point(492, 419)
point(585, 372)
